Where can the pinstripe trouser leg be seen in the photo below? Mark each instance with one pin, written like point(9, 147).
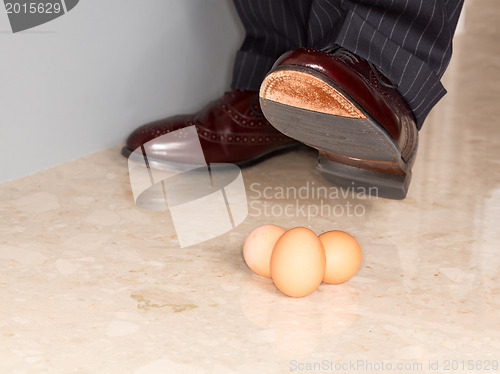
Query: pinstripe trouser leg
point(410, 41)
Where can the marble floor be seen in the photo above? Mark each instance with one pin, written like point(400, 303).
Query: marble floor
point(90, 283)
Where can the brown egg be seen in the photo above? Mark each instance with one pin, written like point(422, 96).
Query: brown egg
point(298, 262)
point(258, 247)
point(343, 256)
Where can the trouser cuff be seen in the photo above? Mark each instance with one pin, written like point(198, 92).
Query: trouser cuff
point(416, 82)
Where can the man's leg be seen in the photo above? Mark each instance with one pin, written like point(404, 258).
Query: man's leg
point(365, 87)
point(409, 41)
point(272, 28)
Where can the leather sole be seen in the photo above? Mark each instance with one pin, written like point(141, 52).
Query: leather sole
point(355, 150)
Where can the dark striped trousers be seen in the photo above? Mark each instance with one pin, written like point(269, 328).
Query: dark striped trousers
point(410, 41)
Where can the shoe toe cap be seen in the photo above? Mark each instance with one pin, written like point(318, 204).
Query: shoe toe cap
point(152, 130)
point(178, 148)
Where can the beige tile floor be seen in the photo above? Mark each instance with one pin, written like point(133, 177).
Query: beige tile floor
point(89, 283)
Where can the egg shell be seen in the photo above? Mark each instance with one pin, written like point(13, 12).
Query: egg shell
point(298, 262)
point(343, 256)
point(258, 247)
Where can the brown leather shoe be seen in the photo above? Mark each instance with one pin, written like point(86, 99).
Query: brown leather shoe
point(231, 129)
point(343, 106)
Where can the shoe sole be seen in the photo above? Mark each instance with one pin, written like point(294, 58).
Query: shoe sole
point(355, 150)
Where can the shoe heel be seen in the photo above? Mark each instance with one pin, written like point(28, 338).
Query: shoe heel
point(369, 182)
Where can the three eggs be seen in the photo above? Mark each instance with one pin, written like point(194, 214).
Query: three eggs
point(298, 260)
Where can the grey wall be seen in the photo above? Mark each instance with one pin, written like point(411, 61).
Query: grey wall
point(82, 82)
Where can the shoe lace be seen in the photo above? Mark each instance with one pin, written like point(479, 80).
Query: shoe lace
point(377, 74)
point(343, 55)
point(254, 102)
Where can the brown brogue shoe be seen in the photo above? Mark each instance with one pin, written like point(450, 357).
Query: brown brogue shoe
point(343, 106)
point(231, 129)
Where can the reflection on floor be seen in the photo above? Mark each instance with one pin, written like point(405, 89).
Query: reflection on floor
point(91, 284)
